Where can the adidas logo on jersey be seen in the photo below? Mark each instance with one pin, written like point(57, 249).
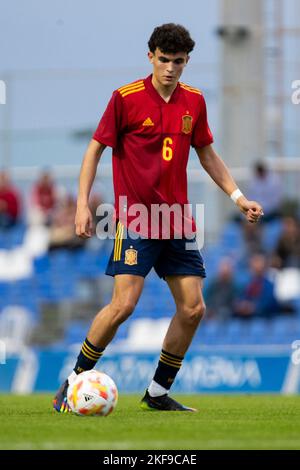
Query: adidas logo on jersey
point(148, 122)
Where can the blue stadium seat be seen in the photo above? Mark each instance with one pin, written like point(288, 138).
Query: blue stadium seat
point(41, 264)
point(75, 332)
point(232, 236)
point(271, 233)
point(12, 237)
point(209, 331)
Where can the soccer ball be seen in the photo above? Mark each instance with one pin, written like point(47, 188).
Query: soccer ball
point(92, 393)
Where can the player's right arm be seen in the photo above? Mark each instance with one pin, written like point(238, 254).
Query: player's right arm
point(112, 123)
point(84, 218)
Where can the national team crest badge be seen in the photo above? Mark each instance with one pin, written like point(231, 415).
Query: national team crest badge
point(187, 121)
point(131, 256)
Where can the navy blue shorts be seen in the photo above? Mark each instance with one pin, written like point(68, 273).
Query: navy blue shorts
point(139, 256)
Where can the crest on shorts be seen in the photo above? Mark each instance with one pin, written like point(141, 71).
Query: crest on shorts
point(131, 256)
point(187, 121)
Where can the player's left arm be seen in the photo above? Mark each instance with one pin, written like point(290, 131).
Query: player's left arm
point(219, 172)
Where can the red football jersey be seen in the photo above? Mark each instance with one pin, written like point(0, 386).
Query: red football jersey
point(151, 140)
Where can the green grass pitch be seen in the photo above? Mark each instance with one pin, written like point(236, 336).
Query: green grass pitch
point(223, 422)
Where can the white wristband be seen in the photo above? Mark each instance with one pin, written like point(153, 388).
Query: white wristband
point(235, 195)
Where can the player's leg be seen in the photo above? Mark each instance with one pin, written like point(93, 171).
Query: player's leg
point(130, 261)
point(181, 264)
point(190, 308)
point(127, 290)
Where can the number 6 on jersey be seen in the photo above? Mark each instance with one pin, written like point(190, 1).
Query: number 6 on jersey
point(167, 151)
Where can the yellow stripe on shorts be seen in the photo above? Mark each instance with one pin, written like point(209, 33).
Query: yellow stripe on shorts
point(118, 242)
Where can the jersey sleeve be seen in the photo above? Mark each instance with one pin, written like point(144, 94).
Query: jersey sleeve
point(202, 134)
point(112, 123)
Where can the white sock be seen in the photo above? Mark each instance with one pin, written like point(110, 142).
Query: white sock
point(156, 390)
point(72, 377)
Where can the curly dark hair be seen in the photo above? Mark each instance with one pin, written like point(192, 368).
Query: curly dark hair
point(171, 38)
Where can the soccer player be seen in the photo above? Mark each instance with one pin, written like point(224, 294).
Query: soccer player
point(150, 125)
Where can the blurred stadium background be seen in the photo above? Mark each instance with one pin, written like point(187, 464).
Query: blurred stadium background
point(59, 63)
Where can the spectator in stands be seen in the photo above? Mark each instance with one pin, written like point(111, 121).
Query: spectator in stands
point(258, 298)
point(287, 251)
point(267, 188)
point(9, 202)
point(252, 241)
point(62, 230)
point(44, 196)
point(222, 292)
